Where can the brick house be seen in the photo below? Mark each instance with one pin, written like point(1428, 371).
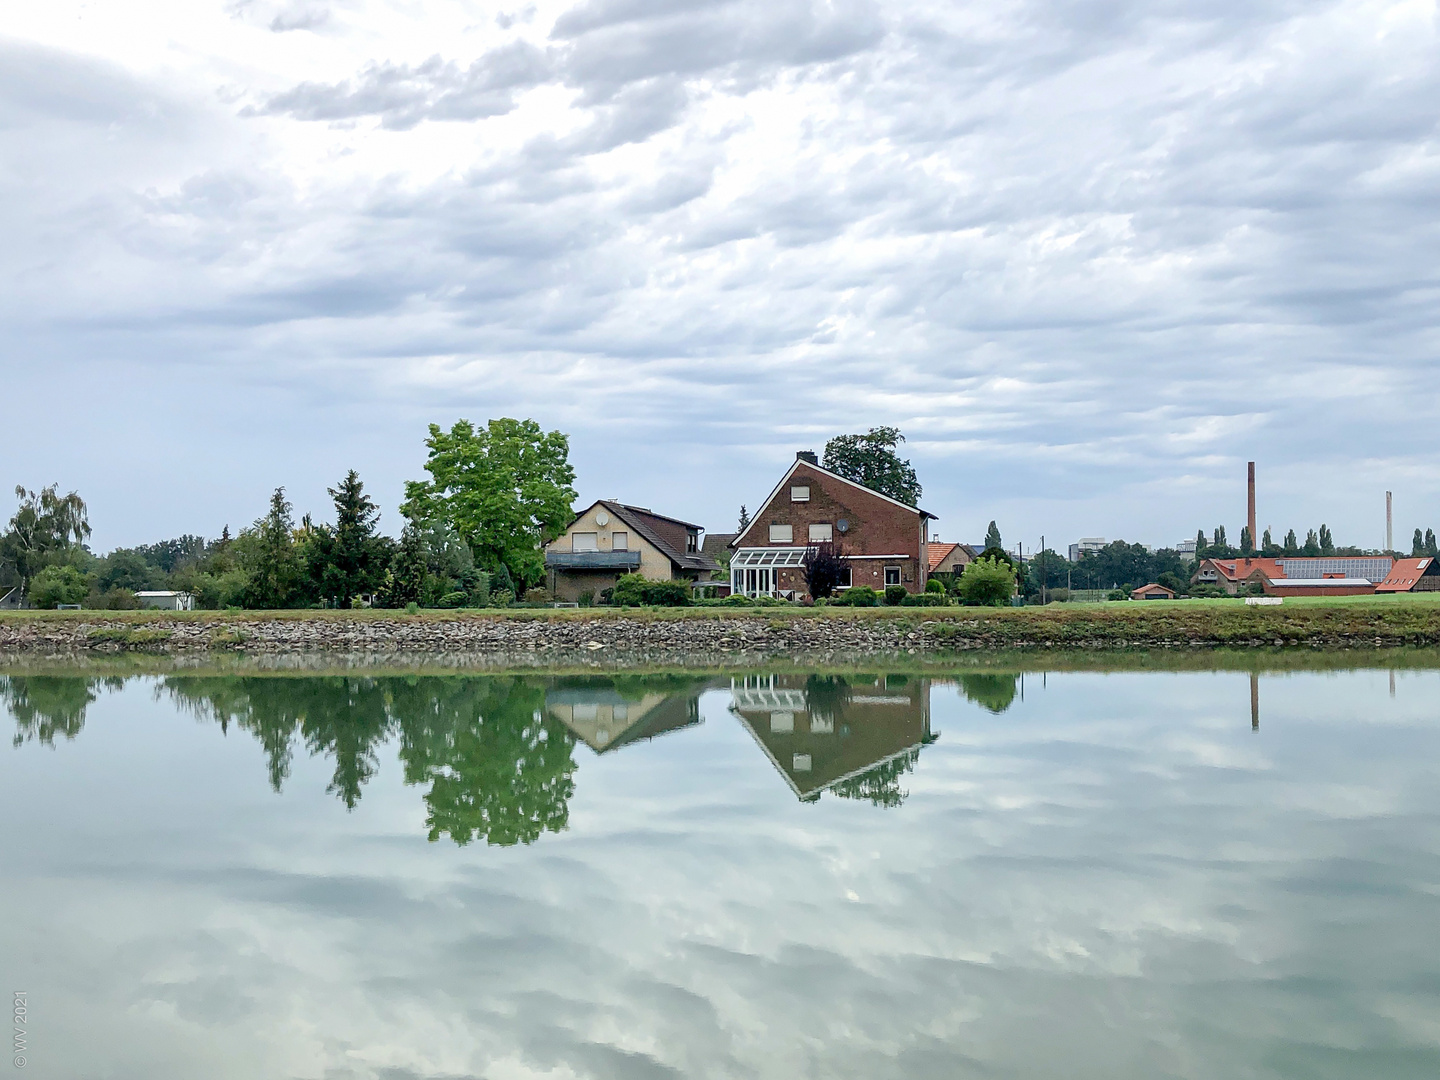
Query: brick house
point(611, 539)
point(881, 540)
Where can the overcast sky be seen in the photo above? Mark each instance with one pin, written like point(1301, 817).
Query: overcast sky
point(1089, 256)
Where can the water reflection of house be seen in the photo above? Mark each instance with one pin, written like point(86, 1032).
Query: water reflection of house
point(826, 733)
point(604, 719)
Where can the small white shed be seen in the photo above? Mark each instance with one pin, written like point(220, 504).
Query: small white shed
point(167, 600)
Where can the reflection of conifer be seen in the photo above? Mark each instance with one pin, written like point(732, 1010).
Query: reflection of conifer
point(348, 718)
point(881, 784)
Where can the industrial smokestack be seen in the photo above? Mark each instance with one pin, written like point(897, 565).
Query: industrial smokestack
point(1389, 525)
point(1250, 511)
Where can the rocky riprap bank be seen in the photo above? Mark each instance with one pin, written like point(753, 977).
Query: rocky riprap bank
point(619, 637)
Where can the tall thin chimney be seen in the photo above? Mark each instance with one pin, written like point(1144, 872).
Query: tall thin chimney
point(1389, 525)
point(1250, 510)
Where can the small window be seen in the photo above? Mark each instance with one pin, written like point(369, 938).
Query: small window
point(821, 532)
point(781, 534)
point(800, 494)
point(782, 723)
point(844, 582)
point(892, 575)
point(692, 542)
point(620, 541)
point(583, 542)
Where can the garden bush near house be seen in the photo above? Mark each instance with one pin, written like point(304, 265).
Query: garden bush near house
point(1255, 589)
point(935, 585)
point(925, 599)
point(1207, 591)
point(859, 596)
point(894, 594)
point(987, 582)
point(586, 598)
point(452, 600)
point(635, 590)
point(1119, 594)
point(502, 598)
point(57, 585)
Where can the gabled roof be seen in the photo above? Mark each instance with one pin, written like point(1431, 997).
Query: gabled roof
point(923, 514)
point(939, 553)
point(1241, 569)
point(635, 516)
point(1404, 574)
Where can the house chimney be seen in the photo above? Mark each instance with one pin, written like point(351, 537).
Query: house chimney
point(1250, 511)
point(807, 455)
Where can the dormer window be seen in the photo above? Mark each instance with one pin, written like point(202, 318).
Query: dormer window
point(800, 494)
point(692, 542)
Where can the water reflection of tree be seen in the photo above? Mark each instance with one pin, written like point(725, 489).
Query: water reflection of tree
point(498, 767)
point(993, 692)
point(880, 785)
point(48, 705)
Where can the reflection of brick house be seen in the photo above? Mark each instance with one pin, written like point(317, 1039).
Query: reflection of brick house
point(610, 539)
point(821, 733)
point(881, 540)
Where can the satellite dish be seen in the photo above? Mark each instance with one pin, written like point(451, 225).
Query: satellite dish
point(602, 518)
point(842, 525)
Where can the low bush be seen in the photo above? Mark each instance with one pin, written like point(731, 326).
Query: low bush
point(115, 600)
point(935, 585)
point(1059, 596)
point(987, 582)
point(1118, 594)
point(859, 596)
point(412, 608)
point(538, 595)
point(895, 594)
point(587, 598)
point(452, 600)
point(925, 599)
point(635, 590)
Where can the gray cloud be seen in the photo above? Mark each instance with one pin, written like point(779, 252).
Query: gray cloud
point(1090, 257)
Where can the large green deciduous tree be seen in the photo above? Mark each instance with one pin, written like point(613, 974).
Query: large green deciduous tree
point(987, 582)
point(870, 459)
point(46, 524)
point(507, 489)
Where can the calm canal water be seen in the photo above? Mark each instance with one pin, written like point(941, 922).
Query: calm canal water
point(1138, 875)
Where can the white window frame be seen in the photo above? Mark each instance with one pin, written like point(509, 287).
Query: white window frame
point(782, 534)
point(800, 493)
point(576, 546)
point(821, 532)
point(619, 541)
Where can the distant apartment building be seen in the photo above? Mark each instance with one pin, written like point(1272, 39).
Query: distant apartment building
point(1088, 545)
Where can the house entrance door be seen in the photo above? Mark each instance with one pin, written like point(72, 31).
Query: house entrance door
point(757, 581)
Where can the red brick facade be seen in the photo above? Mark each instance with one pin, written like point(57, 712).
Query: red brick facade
point(881, 533)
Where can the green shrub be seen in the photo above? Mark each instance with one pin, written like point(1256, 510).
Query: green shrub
point(57, 585)
point(452, 600)
point(859, 596)
point(501, 598)
point(636, 590)
point(935, 585)
point(894, 594)
point(412, 608)
point(925, 599)
point(586, 598)
point(115, 600)
point(1207, 590)
point(1060, 596)
point(1117, 594)
point(987, 583)
point(538, 595)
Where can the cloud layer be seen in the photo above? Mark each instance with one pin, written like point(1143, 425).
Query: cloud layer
point(1090, 257)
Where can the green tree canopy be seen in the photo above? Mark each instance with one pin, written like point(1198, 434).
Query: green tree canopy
point(270, 558)
point(992, 537)
point(45, 525)
point(56, 585)
point(1327, 542)
point(505, 488)
point(1292, 545)
point(870, 459)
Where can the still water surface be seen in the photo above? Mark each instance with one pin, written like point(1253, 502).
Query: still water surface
point(1091, 875)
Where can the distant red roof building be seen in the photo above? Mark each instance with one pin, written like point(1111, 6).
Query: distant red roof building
point(1234, 574)
point(1412, 575)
